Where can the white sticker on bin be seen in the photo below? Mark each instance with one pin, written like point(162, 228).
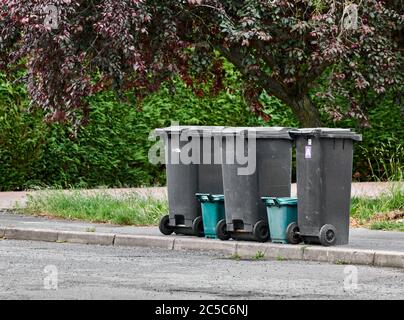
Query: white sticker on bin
point(307, 154)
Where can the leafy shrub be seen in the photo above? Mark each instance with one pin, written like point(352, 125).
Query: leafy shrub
point(380, 155)
point(22, 137)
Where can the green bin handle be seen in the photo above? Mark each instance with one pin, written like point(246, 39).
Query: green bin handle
point(271, 201)
point(203, 197)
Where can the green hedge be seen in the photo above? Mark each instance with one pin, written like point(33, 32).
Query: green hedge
point(112, 149)
point(381, 154)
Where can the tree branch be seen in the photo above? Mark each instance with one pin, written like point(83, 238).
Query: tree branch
point(235, 56)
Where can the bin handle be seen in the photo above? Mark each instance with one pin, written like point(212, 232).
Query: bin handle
point(272, 201)
point(203, 197)
point(276, 202)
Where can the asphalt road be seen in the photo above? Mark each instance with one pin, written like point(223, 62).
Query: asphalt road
point(33, 270)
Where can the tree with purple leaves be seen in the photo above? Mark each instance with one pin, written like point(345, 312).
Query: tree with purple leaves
point(75, 48)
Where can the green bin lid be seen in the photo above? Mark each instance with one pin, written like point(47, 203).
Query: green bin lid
point(206, 197)
point(336, 133)
point(217, 197)
point(272, 201)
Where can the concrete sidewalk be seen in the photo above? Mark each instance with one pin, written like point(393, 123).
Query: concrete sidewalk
point(367, 247)
point(8, 200)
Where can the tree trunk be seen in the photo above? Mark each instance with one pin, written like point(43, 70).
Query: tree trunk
point(302, 106)
point(305, 111)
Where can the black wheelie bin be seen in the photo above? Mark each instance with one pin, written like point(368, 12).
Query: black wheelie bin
point(193, 166)
point(267, 173)
point(324, 176)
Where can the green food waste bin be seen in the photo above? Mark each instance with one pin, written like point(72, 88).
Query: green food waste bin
point(212, 212)
point(282, 218)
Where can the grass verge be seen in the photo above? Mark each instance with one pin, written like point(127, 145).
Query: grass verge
point(127, 209)
point(385, 212)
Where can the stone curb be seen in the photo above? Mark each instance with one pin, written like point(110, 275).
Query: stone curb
point(339, 255)
point(144, 241)
point(202, 244)
point(389, 259)
point(269, 251)
point(242, 249)
point(103, 239)
point(31, 234)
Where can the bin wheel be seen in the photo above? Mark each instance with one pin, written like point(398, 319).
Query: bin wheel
point(221, 230)
point(197, 227)
point(327, 235)
point(292, 233)
point(261, 231)
point(164, 226)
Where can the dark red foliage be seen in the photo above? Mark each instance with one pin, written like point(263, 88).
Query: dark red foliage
point(281, 46)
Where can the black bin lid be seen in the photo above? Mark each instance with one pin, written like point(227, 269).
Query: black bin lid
point(201, 131)
point(258, 132)
point(335, 133)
